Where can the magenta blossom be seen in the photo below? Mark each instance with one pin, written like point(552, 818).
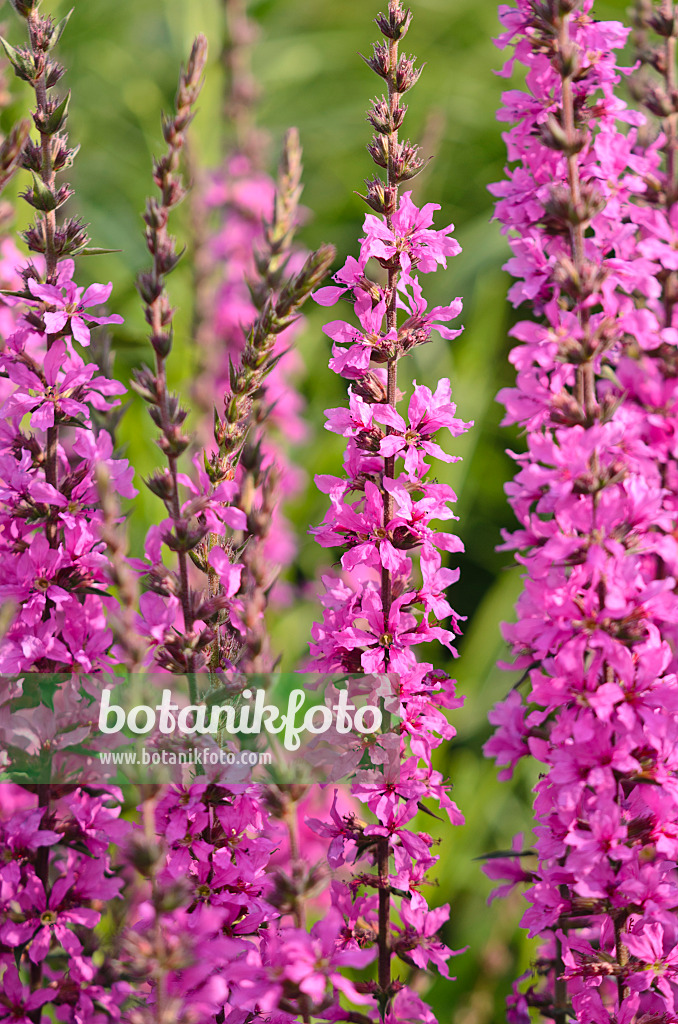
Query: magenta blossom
point(47, 916)
point(61, 392)
point(427, 413)
point(411, 240)
point(65, 304)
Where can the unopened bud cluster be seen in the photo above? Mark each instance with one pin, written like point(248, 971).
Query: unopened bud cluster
point(277, 296)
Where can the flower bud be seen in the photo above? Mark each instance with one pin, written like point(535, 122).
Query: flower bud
point(172, 896)
point(41, 196)
point(561, 213)
point(404, 540)
point(406, 74)
point(663, 24)
point(567, 6)
point(184, 536)
point(566, 410)
point(54, 72)
point(383, 119)
point(54, 116)
point(142, 854)
point(24, 7)
point(406, 161)
point(380, 61)
point(380, 197)
point(554, 136)
point(31, 157)
point(578, 282)
point(160, 484)
point(70, 238)
point(210, 611)
point(369, 440)
point(378, 150)
point(370, 388)
point(570, 350)
point(149, 287)
point(144, 383)
point(659, 101)
point(568, 60)
point(395, 24)
point(35, 238)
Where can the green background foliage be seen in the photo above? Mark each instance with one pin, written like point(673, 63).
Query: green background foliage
point(122, 58)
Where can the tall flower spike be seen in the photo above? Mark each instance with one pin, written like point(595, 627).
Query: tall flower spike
point(597, 529)
point(239, 460)
point(172, 598)
point(239, 266)
point(218, 838)
point(54, 569)
point(254, 245)
point(55, 575)
point(11, 146)
point(382, 511)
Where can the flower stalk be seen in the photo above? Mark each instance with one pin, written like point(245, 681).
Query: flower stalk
point(377, 613)
point(165, 407)
point(590, 369)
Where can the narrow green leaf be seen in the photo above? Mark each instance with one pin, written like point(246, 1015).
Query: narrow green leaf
point(59, 29)
point(90, 250)
point(23, 66)
point(58, 117)
point(43, 197)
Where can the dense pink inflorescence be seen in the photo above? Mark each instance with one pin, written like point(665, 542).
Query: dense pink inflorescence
point(54, 581)
point(57, 837)
point(53, 888)
point(390, 595)
point(595, 500)
point(245, 201)
point(356, 633)
point(228, 852)
point(58, 589)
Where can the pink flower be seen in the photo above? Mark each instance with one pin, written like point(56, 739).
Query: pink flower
point(61, 392)
point(412, 240)
point(420, 941)
point(46, 916)
point(427, 413)
point(17, 1002)
point(66, 304)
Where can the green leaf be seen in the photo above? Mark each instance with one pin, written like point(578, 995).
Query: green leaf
point(48, 688)
point(23, 66)
point(90, 250)
point(57, 118)
point(43, 197)
point(59, 29)
point(608, 373)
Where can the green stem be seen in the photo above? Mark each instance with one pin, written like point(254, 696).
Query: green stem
point(49, 221)
point(585, 382)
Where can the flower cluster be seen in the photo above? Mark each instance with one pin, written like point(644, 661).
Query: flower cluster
point(209, 883)
point(192, 626)
point(52, 886)
point(596, 506)
point(54, 566)
point(252, 244)
point(194, 901)
point(56, 871)
point(390, 597)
